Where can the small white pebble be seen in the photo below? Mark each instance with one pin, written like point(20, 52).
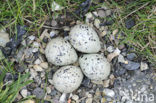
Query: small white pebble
point(143, 66)
point(109, 92)
point(24, 92)
point(32, 37)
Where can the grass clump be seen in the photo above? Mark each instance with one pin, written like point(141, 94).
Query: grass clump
point(10, 89)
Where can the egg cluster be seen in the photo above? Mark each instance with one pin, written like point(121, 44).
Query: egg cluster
point(60, 52)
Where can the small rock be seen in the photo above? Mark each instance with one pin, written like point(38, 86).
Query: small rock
point(8, 77)
point(66, 28)
point(129, 23)
point(106, 83)
point(86, 82)
point(103, 33)
point(24, 92)
point(33, 73)
point(32, 37)
point(121, 59)
point(95, 13)
point(37, 61)
point(75, 97)
point(53, 92)
point(115, 32)
point(39, 93)
point(44, 65)
point(4, 38)
point(103, 100)
point(109, 92)
point(143, 66)
point(131, 56)
point(113, 55)
point(29, 101)
point(53, 33)
point(89, 100)
point(36, 45)
point(89, 15)
point(55, 6)
point(48, 90)
point(97, 23)
point(131, 65)
point(110, 49)
point(101, 13)
point(53, 23)
point(37, 68)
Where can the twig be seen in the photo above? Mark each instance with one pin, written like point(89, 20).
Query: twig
point(49, 27)
point(136, 10)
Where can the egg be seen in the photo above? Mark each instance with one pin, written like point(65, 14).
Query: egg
point(4, 38)
point(95, 66)
point(60, 52)
point(84, 39)
point(67, 78)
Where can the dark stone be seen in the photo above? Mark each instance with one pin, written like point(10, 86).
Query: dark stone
point(15, 41)
point(8, 77)
point(131, 56)
point(83, 8)
point(53, 92)
point(129, 23)
point(16, 77)
point(45, 39)
point(20, 68)
point(107, 23)
point(119, 70)
point(39, 93)
point(86, 82)
point(131, 65)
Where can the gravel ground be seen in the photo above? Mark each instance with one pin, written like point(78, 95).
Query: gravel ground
point(132, 80)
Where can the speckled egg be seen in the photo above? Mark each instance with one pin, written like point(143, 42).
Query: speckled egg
point(84, 39)
point(59, 52)
point(4, 38)
point(95, 66)
point(67, 79)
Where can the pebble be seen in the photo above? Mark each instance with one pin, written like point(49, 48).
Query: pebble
point(131, 65)
point(55, 6)
point(86, 82)
point(37, 61)
point(110, 49)
point(95, 13)
point(53, 92)
point(97, 23)
point(53, 33)
point(24, 93)
point(33, 73)
point(38, 68)
point(121, 59)
point(39, 93)
point(113, 55)
point(8, 77)
point(89, 15)
point(44, 65)
point(106, 83)
point(75, 97)
point(32, 37)
point(101, 13)
point(103, 100)
point(48, 90)
point(103, 33)
point(4, 38)
point(29, 101)
point(53, 23)
point(115, 32)
point(129, 23)
point(109, 92)
point(89, 100)
point(143, 66)
point(131, 56)
point(36, 45)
